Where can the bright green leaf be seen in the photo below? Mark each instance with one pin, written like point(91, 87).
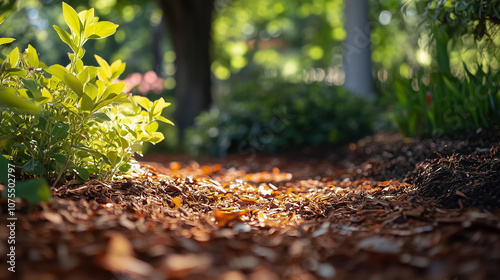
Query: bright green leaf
point(14, 57)
point(65, 37)
point(86, 103)
point(57, 71)
point(74, 83)
point(115, 88)
point(90, 90)
point(46, 96)
point(32, 57)
point(71, 18)
point(89, 17)
point(151, 128)
point(143, 101)
point(165, 120)
point(10, 97)
point(159, 105)
point(157, 137)
point(4, 41)
point(104, 67)
point(103, 29)
point(117, 68)
point(84, 76)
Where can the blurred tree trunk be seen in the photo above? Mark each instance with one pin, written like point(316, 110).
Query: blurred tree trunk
point(189, 23)
point(357, 52)
point(156, 48)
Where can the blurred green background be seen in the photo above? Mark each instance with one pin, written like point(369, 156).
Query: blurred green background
point(434, 67)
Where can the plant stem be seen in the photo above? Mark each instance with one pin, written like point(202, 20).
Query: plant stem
point(63, 169)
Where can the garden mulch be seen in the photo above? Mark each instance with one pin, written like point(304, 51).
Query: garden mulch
point(384, 207)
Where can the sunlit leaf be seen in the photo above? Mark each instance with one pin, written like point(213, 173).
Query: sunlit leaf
point(90, 90)
point(86, 103)
point(117, 68)
point(156, 137)
point(103, 29)
point(165, 120)
point(152, 127)
point(71, 18)
point(13, 57)
point(123, 143)
point(113, 88)
point(58, 71)
point(4, 41)
point(103, 63)
point(74, 83)
point(10, 97)
point(65, 37)
point(89, 17)
point(143, 101)
point(84, 76)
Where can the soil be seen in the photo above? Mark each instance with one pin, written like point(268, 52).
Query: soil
point(384, 207)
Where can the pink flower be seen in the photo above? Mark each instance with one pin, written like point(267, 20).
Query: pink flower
point(149, 82)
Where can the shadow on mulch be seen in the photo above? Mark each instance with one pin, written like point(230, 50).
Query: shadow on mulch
point(459, 170)
point(460, 181)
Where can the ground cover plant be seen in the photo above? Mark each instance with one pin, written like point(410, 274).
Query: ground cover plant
point(74, 121)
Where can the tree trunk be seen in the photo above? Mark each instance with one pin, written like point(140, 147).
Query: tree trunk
point(156, 48)
point(357, 53)
point(189, 23)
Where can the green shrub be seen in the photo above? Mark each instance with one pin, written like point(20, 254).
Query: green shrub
point(446, 103)
point(274, 114)
point(64, 121)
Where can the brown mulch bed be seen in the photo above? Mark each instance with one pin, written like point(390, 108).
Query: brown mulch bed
point(381, 208)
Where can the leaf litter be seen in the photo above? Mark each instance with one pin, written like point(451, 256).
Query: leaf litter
point(194, 221)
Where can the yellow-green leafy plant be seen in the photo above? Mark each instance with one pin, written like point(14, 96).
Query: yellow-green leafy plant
point(72, 121)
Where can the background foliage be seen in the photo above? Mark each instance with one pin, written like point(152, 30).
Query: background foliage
point(274, 114)
point(423, 53)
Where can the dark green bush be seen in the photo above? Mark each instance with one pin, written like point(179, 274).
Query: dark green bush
point(273, 114)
